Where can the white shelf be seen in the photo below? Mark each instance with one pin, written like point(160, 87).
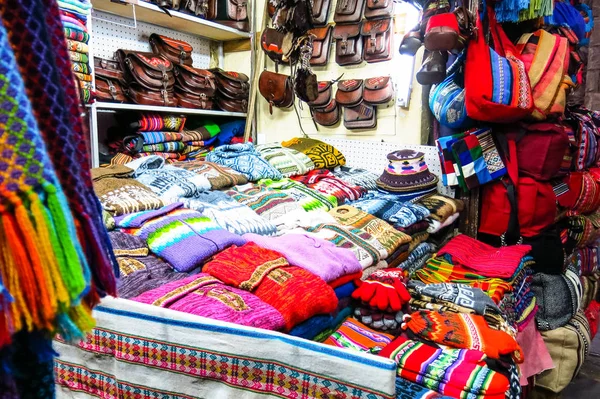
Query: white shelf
point(150, 13)
point(153, 108)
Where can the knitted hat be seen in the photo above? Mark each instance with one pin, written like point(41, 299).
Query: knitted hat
point(558, 298)
point(406, 172)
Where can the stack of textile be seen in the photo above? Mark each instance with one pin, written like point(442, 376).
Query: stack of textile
point(324, 181)
point(74, 16)
point(245, 159)
point(309, 198)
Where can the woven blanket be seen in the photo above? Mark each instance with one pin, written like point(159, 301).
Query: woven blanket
point(355, 336)
point(308, 198)
point(151, 122)
point(76, 34)
point(389, 208)
point(81, 67)
point(79, 57)
point(323, 155)
point(268, 203)
point(406, 389)
point(356, 177)
point(417, 257)
point(324, 181)
point(286, 160)
point(293, 291)
point(220, 177)
point(245, 159)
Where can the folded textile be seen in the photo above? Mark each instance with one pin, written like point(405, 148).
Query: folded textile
point(379, 320)
point(454, 372)
point(324, 181)
point(182, 237)
point(268, 203)
point(367, 271)
point(120, 194)
point(228, 213)
point(410, 196)
point(436, 225)
point(356, 336)
point(417, 257)
point(77, 35)
point(72, 22)
point(80, 47)
point(81, 67)
point(318, 256)
point(167, 156)
point(587, 259)
point(293, 291)
point(406, 389)
point(462, 330)
point(322, 154)
point(356, 177)
point(245, 159)
point(338, 282)
point(286, 160)
point(389, 208)
point(79, 8)
point(174, 146)
point(301, 218)
point(308, 198)
point(78, 57)
point(389, 237)
point(537, 357)
point(230, 130)
point(345, 290)
point(312, 327)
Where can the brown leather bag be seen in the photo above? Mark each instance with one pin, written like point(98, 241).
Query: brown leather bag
point(206, 9)
point(108, 69)
point(328, 115)
point(379, 90)
point(231, 105)
point(239, 25)
point(195, 81)
point(194, 101)
point(378, 9)
point(278, 46)
point(141, 95)
point(232, 85)
point(377, 39)
point(348, 11)
point(109, 90)
point(321, 45)
point(149, 70)
point(362, 116)
point(349, 92)
point(320, 12)
point(277, 89)
point(348, 44)
point(234, 10)
point(325, 90)
point(176, 51)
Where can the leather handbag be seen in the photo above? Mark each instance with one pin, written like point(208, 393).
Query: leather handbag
point(231, 105)
point(278, 46)
point(348, 11)
point(378, 9)
point(206, 9)
point(109, 90)
point(361, 116)
point(378, 90)
point(195, 81)
point(148, 70)
point(377, 40)
point(321, 45)
point(329, 115)
point(348, 44)
point(323, 99)
point(232, 85)
point(108, 69)
point(239, 25)
point(349, 92)
point(176, 51)
point(320, 12)
point(141, 95)
point(235, 10)
point(192, 100)
point(277, 89)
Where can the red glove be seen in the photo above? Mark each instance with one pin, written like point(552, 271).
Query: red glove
point(383, 290)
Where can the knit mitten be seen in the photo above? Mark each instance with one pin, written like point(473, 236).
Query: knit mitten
point(383, 290)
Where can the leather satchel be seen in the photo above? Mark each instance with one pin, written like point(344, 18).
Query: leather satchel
point(348, 44)
point(378, 40)
point(239, 25)
point(193, 100)
point(231, 105)
point(141, 95)
point(109, 90)
point(348, 11)
point(235, 10)
point(324, 95)
point(195, 81)
point(328, 115)
point(320, 12)
point(232, 85)
point(148, 70)
point(206, 9)
point(108, 69)
point(362, 116)
point(321, 45)
point(349, 92)
point(277, 89)
point(278, 46)
point(176, 51)
point(379, 90)
point(378, 9)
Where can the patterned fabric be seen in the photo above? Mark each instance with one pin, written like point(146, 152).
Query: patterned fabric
point(323, 155)
point(355, 336)
point(389, 208)
point(417, 257)
point(78, 35)
point(268, 203)
point(149, 122)
point(175, 146)
point(245, 159)
point(308, 198)
point(220, 177)
point(286, 160)
point(406, 389)
point(325, 182)
point(81, 67)
point(78, 57)
point(356, 177)
point(441, 207)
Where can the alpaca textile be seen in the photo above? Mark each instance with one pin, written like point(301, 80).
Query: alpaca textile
point(354, 335)
point(356, 177)
point(182, 237)
point(286, 160)
point(558, 297)
point(406, 389)
point(308, 198)
point(324, 181)
point(323, 155)
point(296, 293)
point(318, 256)
point(417, 257)
point(454, 372)
point(389, 208)
point(268, 203)
point(245, 159)
point(206, 296)
point(220, 177)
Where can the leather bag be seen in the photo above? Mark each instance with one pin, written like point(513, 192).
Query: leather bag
point(348, 44)
point(148, 70)
point(239, 25)
point(348, 11)
point(108, 69)
point(195, 81)
point(321, 45)
point(323, 99)
point(349, 92)
point(362, 116)
point(231, 105)
point(377, 40)
point(278, 46)
point(378, 90)
point(277, 89)
point(176, 51)
point(232, 85)
point(235, 10)
point(378, 9)
point(328, 115)
point(141, 95)
point(195, 101)
point(109, 90)
point(206, 9)
point(320, 12)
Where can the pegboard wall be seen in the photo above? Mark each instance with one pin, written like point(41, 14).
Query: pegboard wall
point(372, 156)
point(111, 32)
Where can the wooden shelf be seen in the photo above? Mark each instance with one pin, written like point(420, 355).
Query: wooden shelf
point(172, 110)
point(150, 13)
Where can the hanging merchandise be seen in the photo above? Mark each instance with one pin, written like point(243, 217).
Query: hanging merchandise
point(277, 89)
point(523, 10)
point(447, 100)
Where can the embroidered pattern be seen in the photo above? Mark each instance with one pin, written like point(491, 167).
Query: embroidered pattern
point(185, 288)
point(128, 266)
point(262, 271)
point(226, 297)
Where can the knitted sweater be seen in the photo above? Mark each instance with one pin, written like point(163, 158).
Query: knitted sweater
point(308, 198)
point(391, 209)
point(322, 154)
point(182, 237)
point(268, 203)
point(286, 160)
point(325, 182)
point(356, 177)
point(245, 159)
point(220, 177)
point(442, 207)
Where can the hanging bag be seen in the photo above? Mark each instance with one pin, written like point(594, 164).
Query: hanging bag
point(447, 100)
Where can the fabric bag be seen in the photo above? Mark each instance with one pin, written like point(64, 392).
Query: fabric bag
point(447, 99)
point(497, 87)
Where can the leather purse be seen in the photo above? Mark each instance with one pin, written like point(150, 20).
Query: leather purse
point(232, 85)
point(320, 12)
point(195, 81)
point(379, 90)
point(176, 51)
point(148, 70)
point(206, 9)
point(348, 11)
point(349, 92)
point(277, 89)
point(193, 100)
point(321, 45)
point(108, 69)
point(362, 116)
point(348, 44)
point(378, 9)
point(325, 91)
point(278, 46)
point(109, 90)
point(231, 105)
point(328, 115)
point(378, 40)
point(235, 10)
point(141, 95)
point(239, 25)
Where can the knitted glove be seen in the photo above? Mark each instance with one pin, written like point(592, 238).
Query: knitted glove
point(383, 290)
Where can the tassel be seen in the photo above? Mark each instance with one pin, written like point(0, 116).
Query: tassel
point(18, 309)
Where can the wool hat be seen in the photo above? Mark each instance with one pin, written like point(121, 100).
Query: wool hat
point(407, 171)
